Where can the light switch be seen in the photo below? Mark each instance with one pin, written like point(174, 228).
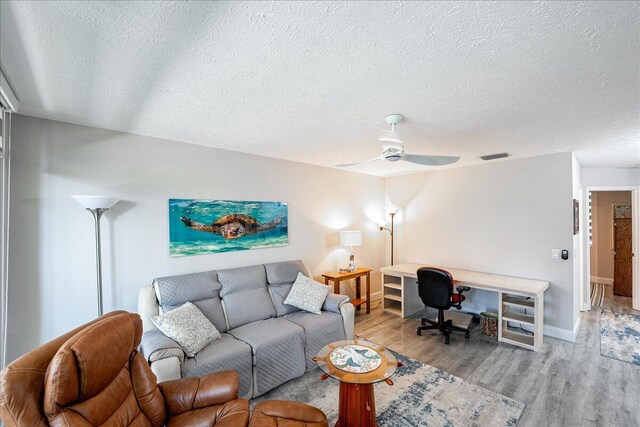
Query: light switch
point(555, 253)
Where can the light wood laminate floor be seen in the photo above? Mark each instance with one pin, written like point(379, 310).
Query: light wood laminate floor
point(565, 384)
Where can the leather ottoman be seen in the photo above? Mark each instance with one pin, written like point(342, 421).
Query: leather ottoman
point(280, 413)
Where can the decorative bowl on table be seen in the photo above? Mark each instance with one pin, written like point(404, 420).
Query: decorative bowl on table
point(355, 358)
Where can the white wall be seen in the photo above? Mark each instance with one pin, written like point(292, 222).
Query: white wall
point(605, 177)
point(52, 260)
point(501, 217)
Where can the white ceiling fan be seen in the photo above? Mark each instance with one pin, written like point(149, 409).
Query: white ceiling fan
point(393, 150)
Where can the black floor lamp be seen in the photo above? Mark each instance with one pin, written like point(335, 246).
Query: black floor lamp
point(390, 210)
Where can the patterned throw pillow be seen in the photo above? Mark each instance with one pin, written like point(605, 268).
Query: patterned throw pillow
point(188, 327)
point(307, 294)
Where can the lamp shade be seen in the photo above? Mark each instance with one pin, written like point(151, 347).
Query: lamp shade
point(391, 210)
point(95, 202)
point(351, 238)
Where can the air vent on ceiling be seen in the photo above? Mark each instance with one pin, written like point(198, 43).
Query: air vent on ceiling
point(494, 156)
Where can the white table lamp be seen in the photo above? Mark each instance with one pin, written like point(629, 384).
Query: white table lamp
point(97, 205)
point(351, 239)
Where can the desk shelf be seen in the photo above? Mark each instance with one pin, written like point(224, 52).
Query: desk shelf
point(393, 286)
point(392, 294)
point(400, 295)
point(523, 319)
point(393, 297)
point(524, 312)
point(518, 338)
point(393, 307)
point(518, 301)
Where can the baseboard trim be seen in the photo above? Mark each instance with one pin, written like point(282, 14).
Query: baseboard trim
point(605, 280)
point(563, 334)
point(376, 296)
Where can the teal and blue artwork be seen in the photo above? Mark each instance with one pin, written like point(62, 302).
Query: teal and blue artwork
point(199, 227)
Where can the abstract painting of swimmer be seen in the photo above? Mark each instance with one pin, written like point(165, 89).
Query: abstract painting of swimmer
point(199, 227)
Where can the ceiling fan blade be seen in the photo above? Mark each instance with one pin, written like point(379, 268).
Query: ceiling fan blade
point(347, 165)
point(430, 160)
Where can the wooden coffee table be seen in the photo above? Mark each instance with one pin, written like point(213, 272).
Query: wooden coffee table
point(343, 360)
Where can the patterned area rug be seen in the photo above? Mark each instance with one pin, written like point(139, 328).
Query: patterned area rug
point(620, 336)
point(421, 396)
point(597, 294)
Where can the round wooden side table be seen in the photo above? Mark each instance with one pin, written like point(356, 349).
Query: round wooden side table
point(358, 364)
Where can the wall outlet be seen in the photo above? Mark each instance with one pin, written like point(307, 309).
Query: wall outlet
point(555, 253)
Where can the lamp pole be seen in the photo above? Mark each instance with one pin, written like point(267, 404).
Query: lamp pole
point(390, 230)
point(97, 214)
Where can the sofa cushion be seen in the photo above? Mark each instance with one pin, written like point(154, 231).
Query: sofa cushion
point(188, 327)
point(201, 289)
point(281, 276)
point(226, 353)
point(319, 331)
point(245, 295)
point(278, 349)
point(307, 294)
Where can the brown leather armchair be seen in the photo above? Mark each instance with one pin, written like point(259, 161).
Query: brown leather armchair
point(94, 375)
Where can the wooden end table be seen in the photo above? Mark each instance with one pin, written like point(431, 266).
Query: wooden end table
point(338, 276)
point(357, 405)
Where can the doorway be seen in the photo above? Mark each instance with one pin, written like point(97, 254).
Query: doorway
point(610, 240)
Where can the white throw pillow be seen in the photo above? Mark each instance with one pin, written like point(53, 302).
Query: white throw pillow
point(307, 294)
point(188, 327)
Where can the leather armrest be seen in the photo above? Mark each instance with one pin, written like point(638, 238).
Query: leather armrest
point(333, 302)
point(191, 393)
point(155, 346)
point(290, 410)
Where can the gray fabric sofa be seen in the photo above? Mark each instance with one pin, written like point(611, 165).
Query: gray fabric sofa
point(265, 340)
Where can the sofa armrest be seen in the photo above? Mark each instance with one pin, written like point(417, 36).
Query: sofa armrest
point(191, 393)
point(334, 301)
point(155, 346)
point(348, 312)
point(148, 307)
point(166, 369)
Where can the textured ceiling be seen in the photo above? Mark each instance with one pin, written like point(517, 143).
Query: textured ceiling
point(312, 81)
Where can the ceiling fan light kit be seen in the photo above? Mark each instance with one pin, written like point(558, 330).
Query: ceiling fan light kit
point(393, 149)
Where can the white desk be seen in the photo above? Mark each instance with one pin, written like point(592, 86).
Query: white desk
point(400, 297)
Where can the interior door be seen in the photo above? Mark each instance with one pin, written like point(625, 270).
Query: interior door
point(622, 257)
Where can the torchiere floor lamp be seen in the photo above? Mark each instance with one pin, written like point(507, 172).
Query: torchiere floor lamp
point(97, 205)
point(390, 210)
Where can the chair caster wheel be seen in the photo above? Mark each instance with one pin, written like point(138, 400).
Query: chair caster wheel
point(419, 333)
point(446, 341)
point(466, 335)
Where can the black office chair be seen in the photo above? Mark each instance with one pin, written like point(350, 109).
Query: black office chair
point(435, 287)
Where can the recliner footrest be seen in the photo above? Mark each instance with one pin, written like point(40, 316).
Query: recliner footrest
point(271, 413)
